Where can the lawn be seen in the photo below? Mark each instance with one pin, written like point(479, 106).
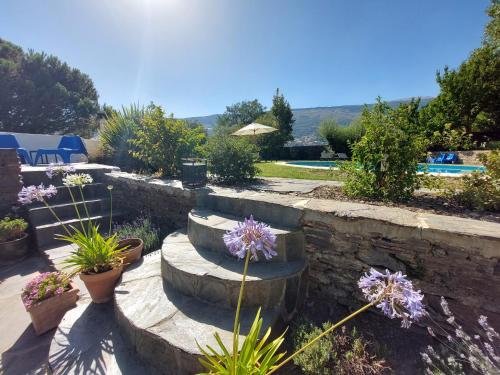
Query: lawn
point(278, 170)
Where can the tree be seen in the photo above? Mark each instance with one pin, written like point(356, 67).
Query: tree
point(339, 138)
point(242, 113)
point(281, 117)
point(41, 94)
point(385, 160)
point(468, 99)
point(160, 141)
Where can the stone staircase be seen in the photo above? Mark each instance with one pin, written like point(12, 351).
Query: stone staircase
point(188, 291)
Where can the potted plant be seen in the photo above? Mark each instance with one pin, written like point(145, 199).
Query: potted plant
point(13, 239)
point(131, 249)
point(97, 258)
point(47, 297)
point(139, 235)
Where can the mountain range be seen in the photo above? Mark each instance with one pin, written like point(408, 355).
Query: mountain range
point(307, 120)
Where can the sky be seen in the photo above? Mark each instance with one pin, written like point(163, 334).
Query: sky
point(195, 57)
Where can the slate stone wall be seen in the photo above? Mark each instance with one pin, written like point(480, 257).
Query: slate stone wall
point(444, 256)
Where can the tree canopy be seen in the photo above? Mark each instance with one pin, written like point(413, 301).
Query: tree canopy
point(242, 113)
point(41, 94)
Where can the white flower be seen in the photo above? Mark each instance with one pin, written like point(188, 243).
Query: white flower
point(78, 179)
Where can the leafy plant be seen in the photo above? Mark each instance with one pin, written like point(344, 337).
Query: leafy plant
point(481, 190)
point(231, 159)
point(44, 286)
point(161, 142)
point(12, 229)
point(460, 353)
point(342, 353)
point(341, 139)
point(142, 228)
point(95, 253)
point(119, 129)
point(385, 160)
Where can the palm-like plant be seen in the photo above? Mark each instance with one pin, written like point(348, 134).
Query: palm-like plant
point(95, 254)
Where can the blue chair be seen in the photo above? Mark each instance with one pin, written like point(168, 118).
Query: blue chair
point(69, 144)
point(440, 159)
point(10, 141)
point(451, 158)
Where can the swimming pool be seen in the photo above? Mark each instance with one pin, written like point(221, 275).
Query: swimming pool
point(431, 168)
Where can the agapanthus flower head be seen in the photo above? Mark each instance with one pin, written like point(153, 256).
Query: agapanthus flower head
point(31, 193)
point(252, 236)
point(59, 169)
point(77, 179)
point(395, 295)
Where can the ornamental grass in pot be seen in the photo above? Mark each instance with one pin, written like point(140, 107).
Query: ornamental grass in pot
point(13, 239)
point(47, 297)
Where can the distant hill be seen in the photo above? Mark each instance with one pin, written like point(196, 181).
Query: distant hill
point(307, 120)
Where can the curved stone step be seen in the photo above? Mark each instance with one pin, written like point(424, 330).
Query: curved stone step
point(206, 229)
point(216, 277)
point(163, 325)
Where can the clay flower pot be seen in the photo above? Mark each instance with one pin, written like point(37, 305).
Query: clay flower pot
point(133, 250)
point(101, 286)
point(14, 250)
point(48, 313)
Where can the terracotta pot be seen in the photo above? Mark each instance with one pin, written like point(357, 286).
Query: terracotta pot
point(101, 286)
point(14, 250)
point(133, 250)
point(47, 314)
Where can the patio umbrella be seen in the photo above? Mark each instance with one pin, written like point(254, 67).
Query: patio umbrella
point(254, 129)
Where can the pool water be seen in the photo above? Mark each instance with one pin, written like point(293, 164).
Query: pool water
point(431, 168)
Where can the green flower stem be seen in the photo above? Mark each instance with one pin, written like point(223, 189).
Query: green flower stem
point(76, 209)
point(110, 210)
point(85, 204)
point(237, 317)
point(57, 217)
point(335, 326)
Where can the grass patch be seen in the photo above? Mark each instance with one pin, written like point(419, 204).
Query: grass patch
point(279, 170)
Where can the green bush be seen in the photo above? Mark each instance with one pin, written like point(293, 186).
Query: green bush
point(231, 159)
point(115, 136)
point(385, 160)
point(142, 228)
point(341, 138)
point(481, 190)
point(12, 229)
point(341, 353)
point(161, 142)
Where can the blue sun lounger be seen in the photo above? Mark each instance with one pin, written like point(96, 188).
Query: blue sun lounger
point(10, 141)
point(69, 145)
point(451, 158)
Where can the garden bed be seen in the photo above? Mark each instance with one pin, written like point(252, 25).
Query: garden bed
point(422, 202)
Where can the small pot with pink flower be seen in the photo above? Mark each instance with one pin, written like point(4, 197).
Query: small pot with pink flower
point(47, 297)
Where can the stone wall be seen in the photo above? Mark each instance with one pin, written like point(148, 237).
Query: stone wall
point(444, 256)
point(10, 181)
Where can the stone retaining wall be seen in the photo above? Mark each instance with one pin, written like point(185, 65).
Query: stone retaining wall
point(445, 256)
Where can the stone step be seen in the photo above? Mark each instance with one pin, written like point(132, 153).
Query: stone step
point(36, 175)
point(45, 234)
point(163, 325)
point(216, 277)
point(88, 341)
point(43, 215)
point(206, 229)
point(92, 191)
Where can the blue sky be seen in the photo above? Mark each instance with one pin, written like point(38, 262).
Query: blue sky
point(194, 57)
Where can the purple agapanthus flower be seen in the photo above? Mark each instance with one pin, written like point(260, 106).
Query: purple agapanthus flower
point(396, 295)
point(252, 236)
point(36, 193)
point(59, 169)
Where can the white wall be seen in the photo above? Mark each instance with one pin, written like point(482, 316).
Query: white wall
point(33, 142)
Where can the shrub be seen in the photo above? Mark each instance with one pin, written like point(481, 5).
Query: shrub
point(231, 159)
point(385, 160)
point(340, 139)
point(12, 229)
point(119, 129)
point(481, 190)
point(44, 286)
point(162, 141)
point(342, 353)
point(142, 228)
